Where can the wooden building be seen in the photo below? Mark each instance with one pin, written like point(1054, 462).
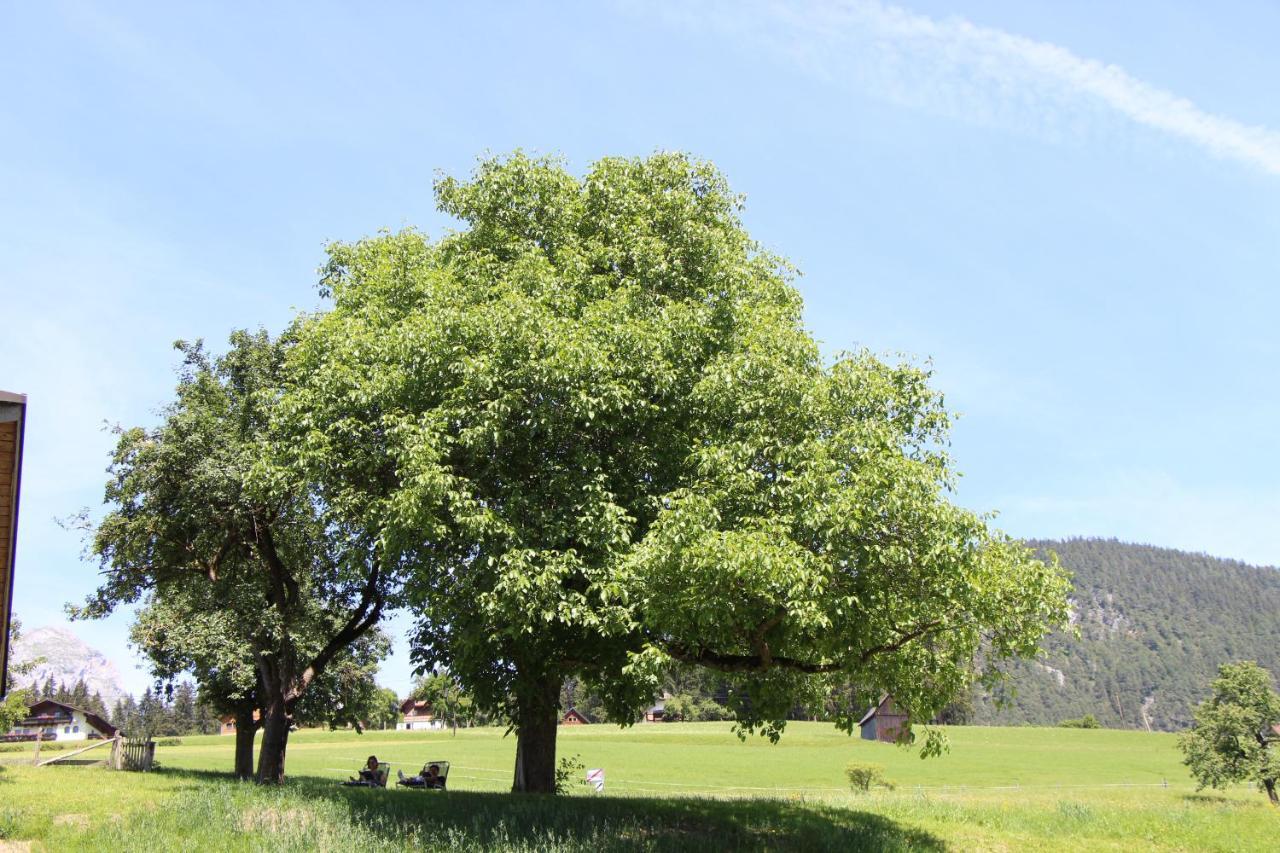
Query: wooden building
point(13, 418)
point(657, 712)
point(418, 716)
point(227, 724)
point(52, 720)
point(884, 722)
point(574, 717)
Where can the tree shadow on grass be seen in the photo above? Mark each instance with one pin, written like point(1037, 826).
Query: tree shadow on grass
point(602, 823)
point(1215, 799)
point(391, 816)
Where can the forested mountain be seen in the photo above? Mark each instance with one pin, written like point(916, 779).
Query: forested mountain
point(1154, 626)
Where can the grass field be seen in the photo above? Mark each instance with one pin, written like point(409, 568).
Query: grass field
point(668, 787)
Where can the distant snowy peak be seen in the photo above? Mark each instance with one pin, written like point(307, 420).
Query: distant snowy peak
point(66, 658)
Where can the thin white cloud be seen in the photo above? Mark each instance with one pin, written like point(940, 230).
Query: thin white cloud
point(979, 73)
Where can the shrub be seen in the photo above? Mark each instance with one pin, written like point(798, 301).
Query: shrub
point(862, 777)
point(568, 770)
point(169, 741)
point(1088, 721)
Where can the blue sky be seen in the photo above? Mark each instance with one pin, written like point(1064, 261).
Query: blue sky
point(1073, 209)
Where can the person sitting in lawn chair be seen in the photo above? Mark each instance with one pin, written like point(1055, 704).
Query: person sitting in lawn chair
point(430, 777)
point(372, 775)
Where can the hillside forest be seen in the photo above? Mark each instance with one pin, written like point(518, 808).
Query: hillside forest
point(1154, 625)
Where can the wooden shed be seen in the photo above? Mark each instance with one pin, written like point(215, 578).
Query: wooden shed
point(884, 722)
point(227, 722)
point(574, 717)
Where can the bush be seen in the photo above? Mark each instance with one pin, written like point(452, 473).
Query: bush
point(862, 777)
point(169, 741)
point(569, 769)
point(1088, 721)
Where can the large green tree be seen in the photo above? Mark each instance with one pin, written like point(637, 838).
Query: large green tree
point(247, 579)
point(1235, 738)
point(592, 423)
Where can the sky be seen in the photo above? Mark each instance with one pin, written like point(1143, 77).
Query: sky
point(1072, 210)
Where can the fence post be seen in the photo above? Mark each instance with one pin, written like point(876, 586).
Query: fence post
point(36, 757)
point(115, 752)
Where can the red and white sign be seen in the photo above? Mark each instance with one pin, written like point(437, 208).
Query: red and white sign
point(595, 778)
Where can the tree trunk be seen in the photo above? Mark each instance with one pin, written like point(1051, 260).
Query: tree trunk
point(246, 728)
point(536, 739)
point(275, 738)
point(1270, 785)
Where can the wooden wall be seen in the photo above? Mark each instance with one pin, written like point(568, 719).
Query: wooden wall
point(10, 447)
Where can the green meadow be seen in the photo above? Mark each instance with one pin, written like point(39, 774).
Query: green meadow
point(688, 786)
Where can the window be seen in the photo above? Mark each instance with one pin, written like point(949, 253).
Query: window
point(75, 728)
point(66, 730)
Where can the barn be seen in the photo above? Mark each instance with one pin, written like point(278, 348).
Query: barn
point(574, 717)
point(418, 715)
point(884, 722)
point(227, 723)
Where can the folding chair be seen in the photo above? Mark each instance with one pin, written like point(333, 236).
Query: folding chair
point(441, 782)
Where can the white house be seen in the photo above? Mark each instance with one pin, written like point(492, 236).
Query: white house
point(55, 721)
point(418, 716)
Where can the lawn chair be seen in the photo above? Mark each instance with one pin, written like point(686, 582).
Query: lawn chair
point(379, 781)
point(442, 766)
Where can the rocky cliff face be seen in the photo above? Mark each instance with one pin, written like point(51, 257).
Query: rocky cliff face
point(67, 659)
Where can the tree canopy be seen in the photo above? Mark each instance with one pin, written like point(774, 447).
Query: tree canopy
point(245, 580)
point(1235, 737)
point(592, 429)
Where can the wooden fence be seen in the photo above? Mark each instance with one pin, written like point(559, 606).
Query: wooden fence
point(126, 754)
point(133, 754)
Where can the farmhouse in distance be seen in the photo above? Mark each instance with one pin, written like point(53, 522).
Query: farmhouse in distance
point(418, 716)
point(50, 720)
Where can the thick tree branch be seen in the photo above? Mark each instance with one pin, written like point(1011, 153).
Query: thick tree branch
point(757, 637)
point(365, 616)
point(284, 585)
point(745, 663)
point(903, 638)
point(763, 661)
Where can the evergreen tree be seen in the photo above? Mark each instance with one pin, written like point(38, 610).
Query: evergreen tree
point(125, 717)
point(150, 715)
point(184, 709)
point(207, 720)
